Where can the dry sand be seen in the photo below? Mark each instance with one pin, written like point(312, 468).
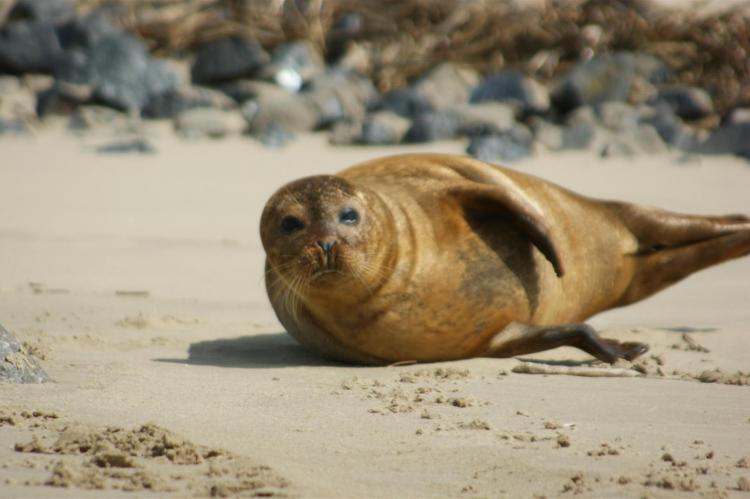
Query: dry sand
point(137, 280)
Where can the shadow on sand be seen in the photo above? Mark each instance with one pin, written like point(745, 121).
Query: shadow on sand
point(257, 351)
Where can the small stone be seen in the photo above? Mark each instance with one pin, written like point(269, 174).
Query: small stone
point(292, 112)
point(174, 101)
point(405, 102)
point(689, 103)
point(209, 122)
point(227, 59)
point(511, 86)
point(16, 365)
point(617, 116)
point(431, 126)
point(383, 127)
point(135, 145)
point(446, 85)
point(511, 146)
point(743, 484)
point(340, 95)
point(484, 118)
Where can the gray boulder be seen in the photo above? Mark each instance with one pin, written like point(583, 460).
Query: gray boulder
point(432, 125)
point(689, 103)
point(52, 11)
point(503, 147)
point(16, 364)
point(383, 127)
point(530, 96)
point(293, 65)
point(29, 47)
point(209, 122)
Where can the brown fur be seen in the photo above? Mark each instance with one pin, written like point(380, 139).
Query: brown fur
point(455, 258)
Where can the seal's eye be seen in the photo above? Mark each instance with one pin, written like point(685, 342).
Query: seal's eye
point(349, 216)
point(290, 224)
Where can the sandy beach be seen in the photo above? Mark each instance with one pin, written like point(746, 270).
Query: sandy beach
point(137, 280)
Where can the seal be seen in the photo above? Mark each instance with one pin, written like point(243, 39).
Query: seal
point(430, 257)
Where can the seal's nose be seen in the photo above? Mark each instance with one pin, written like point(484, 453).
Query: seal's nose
point(327, 246)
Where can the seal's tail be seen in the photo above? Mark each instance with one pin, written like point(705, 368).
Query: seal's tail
point(672, 246)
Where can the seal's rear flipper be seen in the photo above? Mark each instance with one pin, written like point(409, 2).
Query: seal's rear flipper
point(672, 246)
point(521, 339)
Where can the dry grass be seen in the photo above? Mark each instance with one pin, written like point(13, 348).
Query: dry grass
point(403, 38)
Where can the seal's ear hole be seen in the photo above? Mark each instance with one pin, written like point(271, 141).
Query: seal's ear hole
point(349, 216)
point(290, 224)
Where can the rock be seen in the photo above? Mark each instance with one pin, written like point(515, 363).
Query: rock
point(560, 138)
point(405, 102)
point(169, 104)
point(731, 138)
point(503, 147)
point(617, 116)
point(689, 103)
point(16, 364)
point(383, 127)
point(13, 126)
point(511, 86)
point(51, 11)
point(128, 146)
point(606, 77)
point(288, 111)
point(85, 32)
point(243, 90)
point(294, 64)
point(275, 136)
point(484, 118)
point(346, 132)
point(92, 117)
point(669, 126)
point(63, 98)
point(642, 140)
point(340, 95)
point(29, 47)
point(446, 85)
point(17, 102)
point(209, 122)
point(227, 59)
point(651, 68)
point(120, 71)
point(738, 115)
point(432, 125)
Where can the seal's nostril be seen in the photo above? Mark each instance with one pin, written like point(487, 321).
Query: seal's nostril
point(327, 246)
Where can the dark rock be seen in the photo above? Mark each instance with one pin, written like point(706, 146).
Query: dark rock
point(209, 122)
point(606, 77)
point(63, 98)
point(85, 32)
point(689, 103)
point(340, 95)
point(446, 85)
point(169, 104)
point(243, 90)
point(294, 64)
point(16, 364)
point(431, 126)
point(731, 138)
point(511, 86)
point(669, 126)
point(383, 127)
point(51, 11)
point(508, 146)
point(405, 102)
point(120, 71)
point(485, 118)
point(136, 145)
point(227, 59)
point(29, 47)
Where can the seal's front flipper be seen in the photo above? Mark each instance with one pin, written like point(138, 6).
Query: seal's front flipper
point(521, 339)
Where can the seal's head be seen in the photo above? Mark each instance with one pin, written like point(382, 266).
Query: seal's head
point(321, 236)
